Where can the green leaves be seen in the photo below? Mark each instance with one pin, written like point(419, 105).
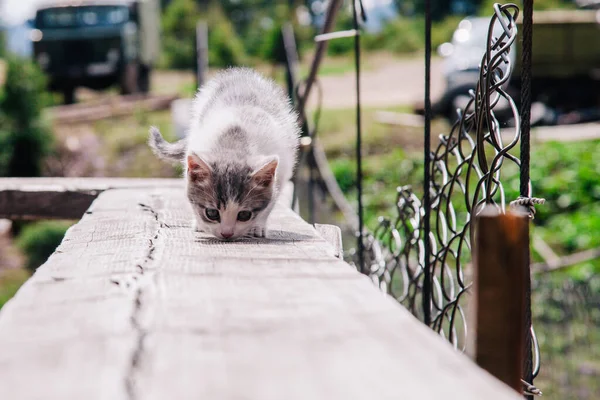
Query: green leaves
point(39, 240)
point(25, 139)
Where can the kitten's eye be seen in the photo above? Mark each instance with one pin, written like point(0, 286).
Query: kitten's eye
point(212, 214)
point(244, 216)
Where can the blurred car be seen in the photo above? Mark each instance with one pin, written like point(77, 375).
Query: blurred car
point(462, 58)
point(97, 43)
point(565, 65)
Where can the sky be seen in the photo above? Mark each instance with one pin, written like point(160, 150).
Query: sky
point(15, 12)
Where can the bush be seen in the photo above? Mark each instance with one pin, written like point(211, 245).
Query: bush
point(25, 139)
point(2, 44)
point(179, 31)
point(343, 45)
point(408, 35)
point(404, 36)
point(487, 6)
point(224, 46)
point(39, 240)
point(179, 43)
point(344, 170)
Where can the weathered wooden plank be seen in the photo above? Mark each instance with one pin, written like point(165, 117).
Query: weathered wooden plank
point(111, 108)
point(333, 235)
point(62, 198)
point(136, 305)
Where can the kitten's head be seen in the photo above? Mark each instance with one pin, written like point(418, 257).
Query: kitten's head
point(229, 198)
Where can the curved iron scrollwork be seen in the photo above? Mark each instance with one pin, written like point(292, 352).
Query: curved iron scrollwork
point(466, 169)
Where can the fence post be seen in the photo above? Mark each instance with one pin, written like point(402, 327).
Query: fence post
point(201, 52)
point(501, 256)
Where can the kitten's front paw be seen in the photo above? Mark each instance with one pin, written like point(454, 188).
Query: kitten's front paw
point(258, 232)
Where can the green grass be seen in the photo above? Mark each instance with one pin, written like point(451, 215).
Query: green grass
point(125, 149)
point(566, 314)
point(10, 281)
point(337, 132)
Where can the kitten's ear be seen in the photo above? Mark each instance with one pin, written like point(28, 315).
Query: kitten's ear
point(198, 171)
point(265, 175)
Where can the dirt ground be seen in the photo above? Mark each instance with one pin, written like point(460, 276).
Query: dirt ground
point(394, 82)
point(388, 81)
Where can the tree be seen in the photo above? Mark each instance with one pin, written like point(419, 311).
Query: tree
point(179, 31)
point(24, 138)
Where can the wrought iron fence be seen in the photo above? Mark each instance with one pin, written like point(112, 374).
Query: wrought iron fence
point(421, 255)
point(466, 168)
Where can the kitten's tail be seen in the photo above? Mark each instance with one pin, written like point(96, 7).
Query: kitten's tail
point(174, 152)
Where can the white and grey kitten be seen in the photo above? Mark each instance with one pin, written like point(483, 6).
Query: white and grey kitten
point(239, 152)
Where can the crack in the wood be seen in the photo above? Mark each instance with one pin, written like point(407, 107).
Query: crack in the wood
point(130, 384)
point(137, 355)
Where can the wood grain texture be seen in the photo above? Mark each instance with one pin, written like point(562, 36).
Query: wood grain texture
point(135, 305)
point(333, 235)
point(111, 107)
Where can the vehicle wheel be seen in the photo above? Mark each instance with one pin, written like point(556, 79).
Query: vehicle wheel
point(129, 79)
point(144, 78)
point(69, 95)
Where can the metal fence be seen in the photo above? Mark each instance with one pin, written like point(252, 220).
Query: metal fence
point(422, 254)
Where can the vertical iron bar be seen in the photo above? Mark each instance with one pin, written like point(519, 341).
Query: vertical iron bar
point(427, 178)
point(291, 58)
point(359, 177)
point(524, 173)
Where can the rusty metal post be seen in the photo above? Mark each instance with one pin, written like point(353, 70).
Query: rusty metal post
point(501, 262)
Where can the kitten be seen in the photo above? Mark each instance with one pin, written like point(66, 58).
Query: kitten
point(239, 152)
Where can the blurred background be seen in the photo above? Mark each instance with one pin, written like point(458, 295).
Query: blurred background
point(64, 64)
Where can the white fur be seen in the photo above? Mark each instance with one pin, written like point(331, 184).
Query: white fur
point(242, 97)
point(271, 122)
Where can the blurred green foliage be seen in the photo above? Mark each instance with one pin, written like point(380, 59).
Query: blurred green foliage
point(10, 281)
point(2, 44)
point(238, 33)
point(39, 240)
point(25, 138)
point(401, 35)
point(566, 314)
point(179, 33)
point(566, 174)
point(245, 31)
point(539, 5)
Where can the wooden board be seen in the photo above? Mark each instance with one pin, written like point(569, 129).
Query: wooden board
point(110, 107)
point(62, 198)
point(135, 305)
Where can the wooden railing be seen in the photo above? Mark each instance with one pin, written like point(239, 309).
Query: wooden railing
point(136, 305)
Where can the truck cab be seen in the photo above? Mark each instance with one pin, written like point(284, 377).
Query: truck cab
point(97, 44)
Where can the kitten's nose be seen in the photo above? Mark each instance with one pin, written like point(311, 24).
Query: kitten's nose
point(226, 235)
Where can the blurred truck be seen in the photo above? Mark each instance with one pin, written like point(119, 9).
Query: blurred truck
point(565, 65)
point(97, 44)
